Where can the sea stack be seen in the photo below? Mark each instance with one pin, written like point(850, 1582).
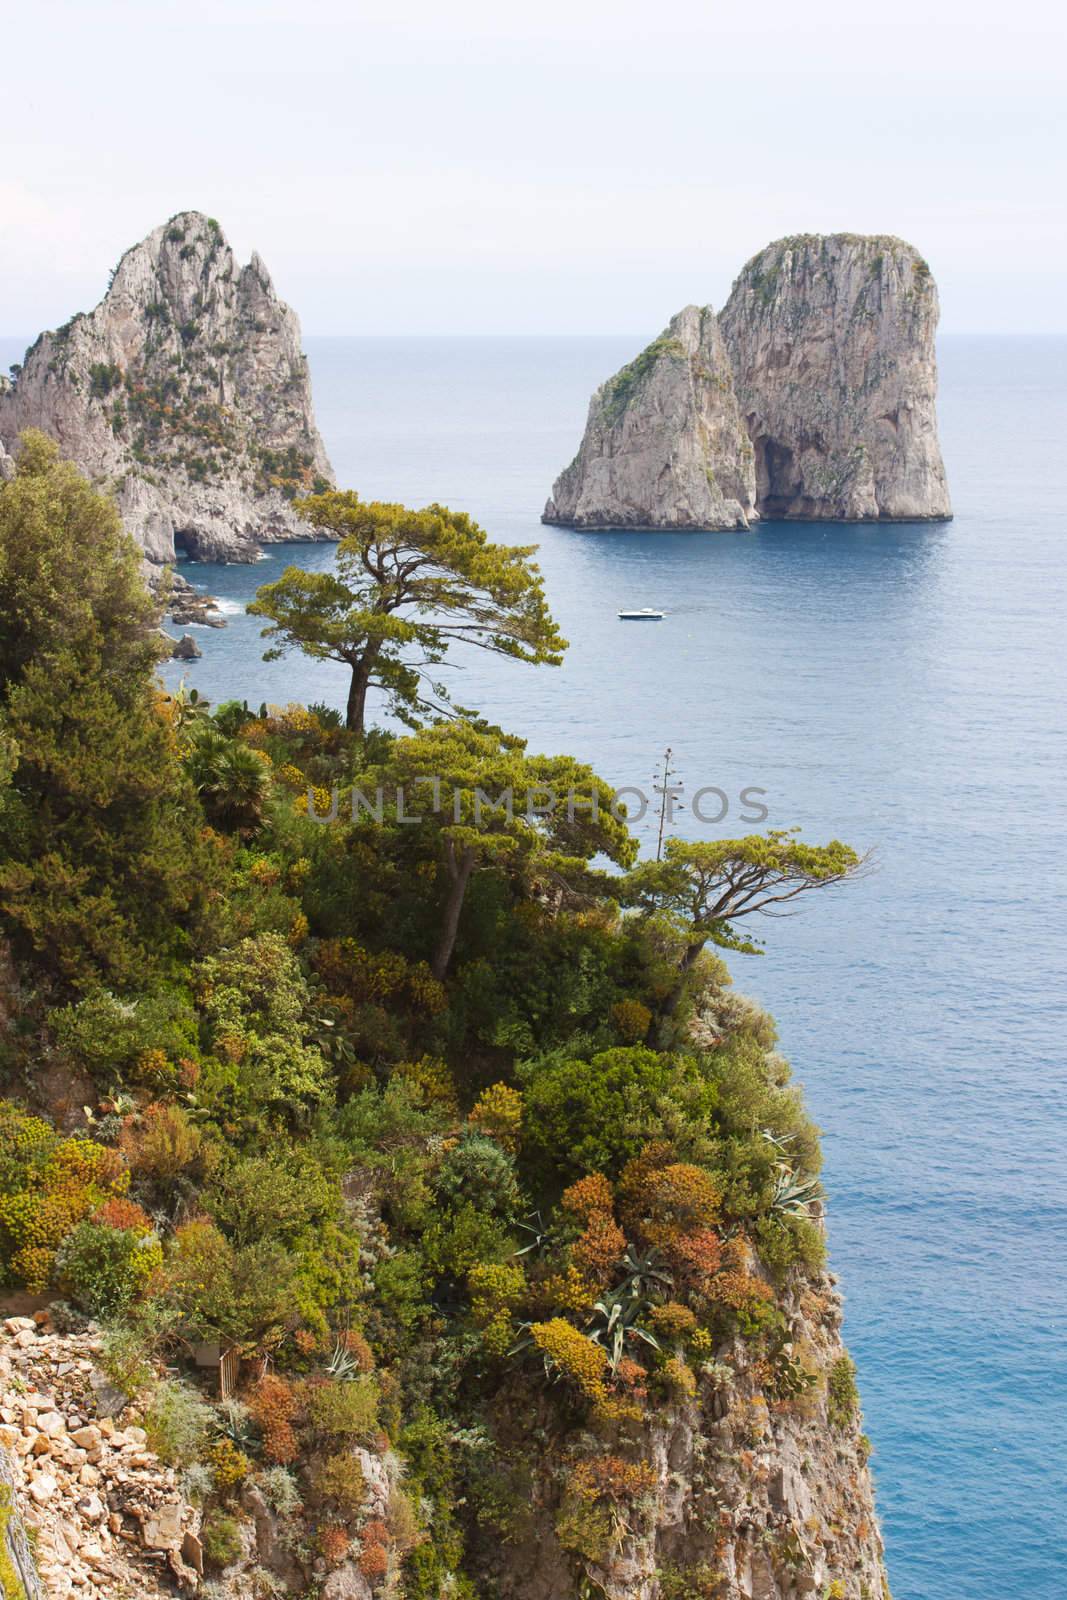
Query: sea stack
point(811, 398)
point(832, 343)
point(185, 394)
point(665, 445)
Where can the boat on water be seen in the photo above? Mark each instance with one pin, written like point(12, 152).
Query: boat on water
point(646, 614)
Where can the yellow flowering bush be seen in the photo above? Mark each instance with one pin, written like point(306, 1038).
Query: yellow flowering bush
point(498, 1112)
point(572, 1355)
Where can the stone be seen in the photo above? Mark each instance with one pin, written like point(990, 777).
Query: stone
point(193, 1552)
point(186, 649)
point(43, 1487)
point(51, 1424)
point(665, 445)
point(86, 1438)
point(92, 1508)
point(832, 343)
point(161, 1529)
point(346, 1583)
point(109, 1399)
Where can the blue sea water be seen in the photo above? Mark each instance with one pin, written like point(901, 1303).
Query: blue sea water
point(900, 687)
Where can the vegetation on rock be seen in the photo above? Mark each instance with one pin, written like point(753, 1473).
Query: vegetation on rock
point(463, 1144)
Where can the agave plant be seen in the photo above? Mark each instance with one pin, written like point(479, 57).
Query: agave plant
point(793, 1193)
point(618, 1314)
point(342, 1364)
point(539, 1235)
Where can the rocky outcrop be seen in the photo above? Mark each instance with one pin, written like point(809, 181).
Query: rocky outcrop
point(813, 398)
point(665, 445)
point(832, 343)
point(186, 394)
point(755, 1487)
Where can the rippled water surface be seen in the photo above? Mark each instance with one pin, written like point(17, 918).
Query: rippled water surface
point(898, 687)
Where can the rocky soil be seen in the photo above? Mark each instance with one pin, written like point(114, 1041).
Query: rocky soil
point(104, 1515)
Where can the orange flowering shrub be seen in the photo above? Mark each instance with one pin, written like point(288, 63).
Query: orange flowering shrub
point(696, 1257)
point(273, 1406)
point(356, 1344)
point(600, 1247)
point(589, 1197)
point(119, 1212)
point(374, 1561)
point(612, 1478)
point(673, 1321)
point(164, 1142)
point(334, 1542)
point(48, 1185)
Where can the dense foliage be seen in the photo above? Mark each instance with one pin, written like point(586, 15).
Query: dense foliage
point(421, 1114)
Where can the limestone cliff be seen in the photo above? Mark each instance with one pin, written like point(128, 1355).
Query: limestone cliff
point(755, 1487)
point(813, 398)
point(185, 393)
point(665, 445)
point(832, 343)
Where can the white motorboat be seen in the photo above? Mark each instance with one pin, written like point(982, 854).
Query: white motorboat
point(646, 614)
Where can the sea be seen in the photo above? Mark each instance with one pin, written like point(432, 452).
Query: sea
point(900, 687)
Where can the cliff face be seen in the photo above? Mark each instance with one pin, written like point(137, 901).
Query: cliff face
point(832, 343)
point(665, 445)
point(813, 398)
point(186, 394)
point(752, 1489)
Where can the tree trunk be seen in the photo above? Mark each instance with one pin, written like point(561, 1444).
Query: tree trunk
point(460, 872)
point(670, 1005)
point(356, 710)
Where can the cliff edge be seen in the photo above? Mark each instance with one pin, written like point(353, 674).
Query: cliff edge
point(185, 394)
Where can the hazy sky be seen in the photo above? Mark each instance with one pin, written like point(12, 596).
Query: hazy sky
point(569, 166)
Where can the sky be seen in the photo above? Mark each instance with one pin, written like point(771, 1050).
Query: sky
point(479, 167)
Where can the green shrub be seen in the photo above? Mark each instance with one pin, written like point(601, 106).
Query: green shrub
point(104, 1269)
point(108, 1036)
point(842, 1395)
point(479, 1173)
point(221, 1538)
point(340, 1478)
point(594, 1116)
point(785, 1242)
point(279, 1489)
point(178, 1422)
point(347, 1411)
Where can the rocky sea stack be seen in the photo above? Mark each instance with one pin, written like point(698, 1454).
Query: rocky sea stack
point(825, 353)
point(665, 445)
point(185, 394)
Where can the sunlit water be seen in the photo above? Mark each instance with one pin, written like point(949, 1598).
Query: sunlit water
point(898, 687)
